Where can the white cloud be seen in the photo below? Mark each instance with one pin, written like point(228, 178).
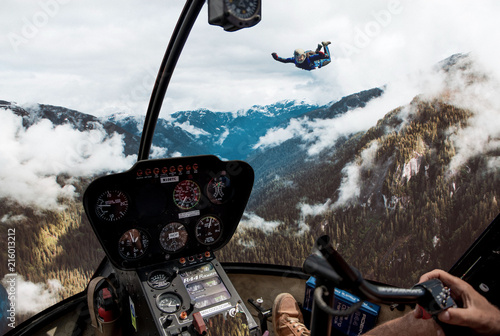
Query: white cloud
point(320, 134)
point(313, 210)
point(307, 210)
point(32, 158)
point(350, 187)
point(158, 152)
point(12, 219)
point(253, 221)
point(33, 297)
point(482, 131)
point(277, 135)
point(96, 57)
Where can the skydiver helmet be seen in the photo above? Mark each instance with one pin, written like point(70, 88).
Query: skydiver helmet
point(299, 55)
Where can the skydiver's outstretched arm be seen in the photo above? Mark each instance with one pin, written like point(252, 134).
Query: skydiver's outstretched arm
point(282, 60)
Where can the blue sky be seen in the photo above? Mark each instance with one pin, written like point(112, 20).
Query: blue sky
point(102, 57)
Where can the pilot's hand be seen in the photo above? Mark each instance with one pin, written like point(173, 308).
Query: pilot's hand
point(275, 55)
point(475, 313)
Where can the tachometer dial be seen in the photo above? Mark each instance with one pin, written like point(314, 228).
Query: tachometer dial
point(173, 237)
point(111, 205)
point(186, 194)
point(133, 244)
point(208, 230)
point(168, 302)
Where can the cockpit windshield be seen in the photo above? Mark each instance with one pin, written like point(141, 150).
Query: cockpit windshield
point(393, 149)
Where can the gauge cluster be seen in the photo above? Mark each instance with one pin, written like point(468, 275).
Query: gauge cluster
point(178, 298)
point(168, 209)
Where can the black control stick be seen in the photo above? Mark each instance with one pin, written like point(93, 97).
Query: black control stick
point(331, 269)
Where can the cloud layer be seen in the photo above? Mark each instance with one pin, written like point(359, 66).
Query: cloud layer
point(32, 159)
point(101, 58)
point(34, 297)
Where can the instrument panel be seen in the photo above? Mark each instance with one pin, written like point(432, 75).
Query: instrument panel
point(168, 209)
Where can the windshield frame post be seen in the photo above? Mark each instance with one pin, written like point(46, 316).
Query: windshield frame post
point(180, 34)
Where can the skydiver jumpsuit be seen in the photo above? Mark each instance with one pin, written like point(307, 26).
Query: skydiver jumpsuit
point(316, 60)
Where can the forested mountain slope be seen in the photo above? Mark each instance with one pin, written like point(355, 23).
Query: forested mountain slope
point(387, 197)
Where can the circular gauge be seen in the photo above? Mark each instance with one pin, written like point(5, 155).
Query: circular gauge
point(133, 244)
point(168, 302)
point(111, 205)
point(219, 189)
point(173, 237)
point(159, 279)
point(242, 9)
point(186, 194)
point(208, 230)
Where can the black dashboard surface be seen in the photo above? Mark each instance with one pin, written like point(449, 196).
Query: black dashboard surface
point(166, 209)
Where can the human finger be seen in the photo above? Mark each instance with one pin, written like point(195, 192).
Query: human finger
point(455, 316)
point(457, 285)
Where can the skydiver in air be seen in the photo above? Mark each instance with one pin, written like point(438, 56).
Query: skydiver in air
point(308, 60)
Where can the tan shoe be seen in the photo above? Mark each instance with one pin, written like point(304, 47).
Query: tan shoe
point(287, 317)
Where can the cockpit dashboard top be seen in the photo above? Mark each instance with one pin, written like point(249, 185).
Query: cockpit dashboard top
point(167, 209)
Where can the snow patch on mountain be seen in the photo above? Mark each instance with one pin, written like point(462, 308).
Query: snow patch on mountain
point(412, 167)
point(186, 126)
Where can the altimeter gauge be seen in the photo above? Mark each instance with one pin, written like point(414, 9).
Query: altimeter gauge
point(234, 14)
point(133, 244)
point(111, 205)
point(173, 237)
point(208, 230)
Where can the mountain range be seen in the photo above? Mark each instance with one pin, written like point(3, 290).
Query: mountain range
point(232, 135)
point(229, 135)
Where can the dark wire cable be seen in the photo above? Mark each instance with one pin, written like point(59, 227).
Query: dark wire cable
point(318, 299)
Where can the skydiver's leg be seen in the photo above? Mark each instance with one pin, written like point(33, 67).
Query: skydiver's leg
point(328, 59)
point(327, 51)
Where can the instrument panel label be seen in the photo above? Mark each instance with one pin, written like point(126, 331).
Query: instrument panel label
point(189, 214)
point(215, 309)
point(169, 179)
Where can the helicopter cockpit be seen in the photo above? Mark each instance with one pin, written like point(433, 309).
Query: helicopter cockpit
point(201, 243)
